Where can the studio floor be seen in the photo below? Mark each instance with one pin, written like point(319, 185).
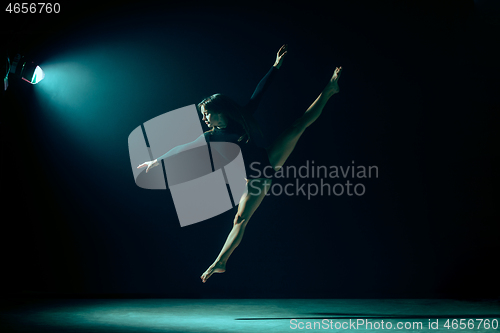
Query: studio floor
point(247, 315)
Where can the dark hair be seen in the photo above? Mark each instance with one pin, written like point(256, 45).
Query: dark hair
point(237, 116)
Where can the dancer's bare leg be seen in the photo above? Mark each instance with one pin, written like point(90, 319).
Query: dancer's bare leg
point(283, 146)
point(257, 188)
point(251, 199)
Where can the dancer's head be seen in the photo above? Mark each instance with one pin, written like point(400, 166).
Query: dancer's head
point(221, 111)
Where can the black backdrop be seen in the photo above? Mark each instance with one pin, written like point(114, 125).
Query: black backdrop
point(418, 99)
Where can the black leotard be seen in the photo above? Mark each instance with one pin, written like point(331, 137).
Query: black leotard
point(255, 158)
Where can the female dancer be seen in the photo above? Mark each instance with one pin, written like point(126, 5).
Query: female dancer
point(230, 122)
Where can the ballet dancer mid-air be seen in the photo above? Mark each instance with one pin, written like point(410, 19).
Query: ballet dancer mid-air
point(230, 122)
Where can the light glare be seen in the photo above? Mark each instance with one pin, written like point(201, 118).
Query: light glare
point(38, 75)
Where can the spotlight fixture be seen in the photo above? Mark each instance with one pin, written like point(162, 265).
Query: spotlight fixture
point(26, 70)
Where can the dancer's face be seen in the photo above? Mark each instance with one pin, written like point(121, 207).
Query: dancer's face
point(212, 119)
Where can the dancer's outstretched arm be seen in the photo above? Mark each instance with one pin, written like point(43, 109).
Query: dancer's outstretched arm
point(266, 80)
point(174, 151)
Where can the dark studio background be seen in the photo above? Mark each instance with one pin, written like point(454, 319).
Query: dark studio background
point(418, 99)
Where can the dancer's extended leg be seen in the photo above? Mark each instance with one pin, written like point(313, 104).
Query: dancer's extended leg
point(257, 188)
point(283, 146)
point(251, 199)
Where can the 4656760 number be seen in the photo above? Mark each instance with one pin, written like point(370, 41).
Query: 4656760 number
point(33, 8)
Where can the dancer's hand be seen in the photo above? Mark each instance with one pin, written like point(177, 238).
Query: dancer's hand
point(279, 56)
point(150, 165)
point(333, 86)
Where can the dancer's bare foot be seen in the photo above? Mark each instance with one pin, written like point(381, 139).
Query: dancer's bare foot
point(333, 86)
point(216, 267)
